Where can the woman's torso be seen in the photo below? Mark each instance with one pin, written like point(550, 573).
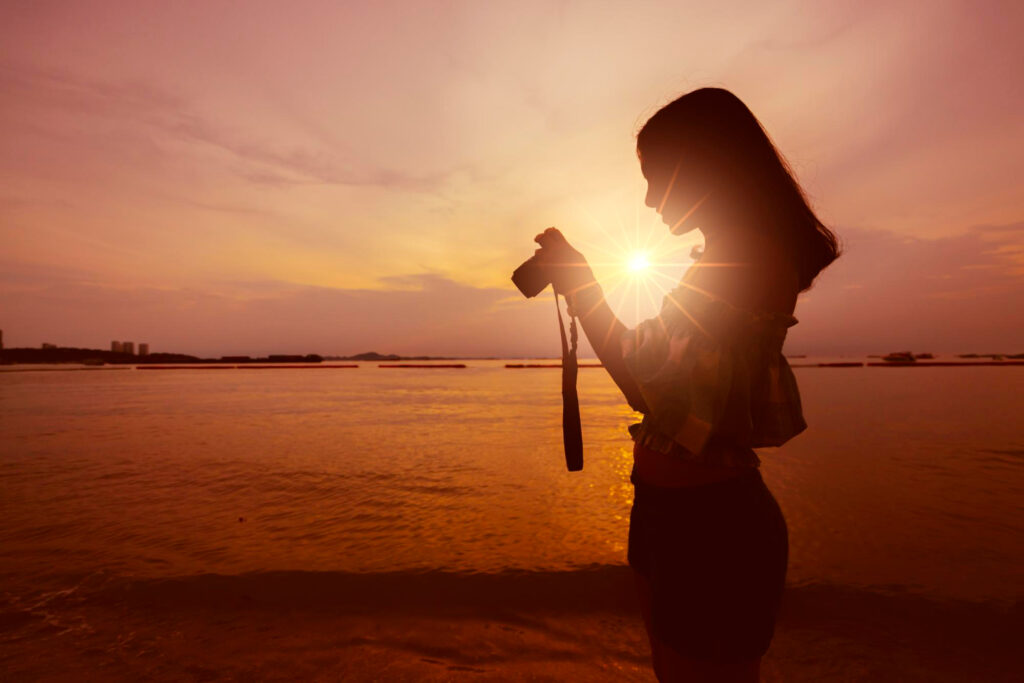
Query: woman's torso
point(760, 286)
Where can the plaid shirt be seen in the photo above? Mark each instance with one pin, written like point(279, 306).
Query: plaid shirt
point(708, 370)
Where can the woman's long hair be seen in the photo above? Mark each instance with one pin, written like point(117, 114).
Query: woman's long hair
point(712, 132)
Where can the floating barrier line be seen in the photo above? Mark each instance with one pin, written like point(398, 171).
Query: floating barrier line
point(245, 366)
point(90, 369)
point(185, 367)
point(414, 365)
point(518, 366)
point(255, 366)
point(844, 364)
point(942, 364)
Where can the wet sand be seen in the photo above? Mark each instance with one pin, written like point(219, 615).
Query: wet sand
point(574, 625)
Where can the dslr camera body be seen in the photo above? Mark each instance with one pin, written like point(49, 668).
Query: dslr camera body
point(534, 275)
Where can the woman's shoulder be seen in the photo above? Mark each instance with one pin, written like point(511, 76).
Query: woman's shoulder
point(690, 308)
point(762, 287)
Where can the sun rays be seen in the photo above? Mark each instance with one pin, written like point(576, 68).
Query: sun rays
point(640, 260)
point(638, 264)
point(636, 260)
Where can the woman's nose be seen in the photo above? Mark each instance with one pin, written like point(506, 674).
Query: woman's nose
point(649, 199)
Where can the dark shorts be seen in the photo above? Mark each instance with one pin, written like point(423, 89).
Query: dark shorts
point(715, 556)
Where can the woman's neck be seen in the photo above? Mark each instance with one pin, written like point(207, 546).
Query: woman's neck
point(727, 245)
point(746, 270)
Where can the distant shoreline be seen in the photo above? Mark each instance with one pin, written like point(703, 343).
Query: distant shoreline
point(68, 356)
point(99, 357)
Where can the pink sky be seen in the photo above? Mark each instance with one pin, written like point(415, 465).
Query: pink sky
point(222, 178)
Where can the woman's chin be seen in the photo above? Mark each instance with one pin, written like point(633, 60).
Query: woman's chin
point(680, 227)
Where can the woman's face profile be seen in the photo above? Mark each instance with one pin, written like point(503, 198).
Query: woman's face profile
point(671, 192)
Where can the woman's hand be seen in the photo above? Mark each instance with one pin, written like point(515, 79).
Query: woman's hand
point(568, 268)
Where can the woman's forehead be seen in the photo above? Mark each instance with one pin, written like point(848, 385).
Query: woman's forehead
point(645, 164)
point(653, 162)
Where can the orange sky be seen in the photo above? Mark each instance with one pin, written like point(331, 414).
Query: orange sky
point(221, 178)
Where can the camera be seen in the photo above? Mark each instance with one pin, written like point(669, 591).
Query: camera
point(535, 273)
point(532, 276)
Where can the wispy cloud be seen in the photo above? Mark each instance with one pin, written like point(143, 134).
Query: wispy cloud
point(134, 105)
point(889, 292)
point(414, 314)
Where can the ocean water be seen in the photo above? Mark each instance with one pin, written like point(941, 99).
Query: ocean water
point(909, 482)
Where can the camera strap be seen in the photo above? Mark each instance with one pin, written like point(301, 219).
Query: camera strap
point(572, 432)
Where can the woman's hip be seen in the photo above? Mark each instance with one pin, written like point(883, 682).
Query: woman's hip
point(715, 557)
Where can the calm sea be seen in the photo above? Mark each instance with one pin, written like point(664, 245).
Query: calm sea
point(907, 480)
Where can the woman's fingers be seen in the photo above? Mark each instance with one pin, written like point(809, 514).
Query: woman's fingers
point(552, 237)
point(557, 251)
point(563, 260)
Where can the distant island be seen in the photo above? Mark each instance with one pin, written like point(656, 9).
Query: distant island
point(101, 357)
point(63, 354)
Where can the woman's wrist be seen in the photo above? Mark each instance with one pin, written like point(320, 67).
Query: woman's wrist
point(584, 298)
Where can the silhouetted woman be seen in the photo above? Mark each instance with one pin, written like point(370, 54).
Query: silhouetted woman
point(707, 540)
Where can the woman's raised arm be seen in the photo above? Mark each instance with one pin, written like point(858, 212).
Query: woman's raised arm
point(572, 276)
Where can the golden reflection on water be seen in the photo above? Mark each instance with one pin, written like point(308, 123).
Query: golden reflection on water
point(620, 491)
point(901, 479)
point(357, 471)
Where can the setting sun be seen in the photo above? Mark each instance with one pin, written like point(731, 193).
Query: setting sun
point(638, 262)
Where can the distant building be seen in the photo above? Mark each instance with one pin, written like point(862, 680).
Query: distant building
point(47, 345)
point(116, 347)
point(128, 347)
point(143, 349)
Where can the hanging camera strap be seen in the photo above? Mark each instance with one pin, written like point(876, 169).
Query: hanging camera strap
point(572, 432)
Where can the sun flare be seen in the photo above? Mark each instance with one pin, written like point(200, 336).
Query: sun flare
point(636, 260)
point(638, 263)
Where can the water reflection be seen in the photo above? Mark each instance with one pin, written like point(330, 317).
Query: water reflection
point(895, 482)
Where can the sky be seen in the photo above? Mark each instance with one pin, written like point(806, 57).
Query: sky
point(222, 178)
